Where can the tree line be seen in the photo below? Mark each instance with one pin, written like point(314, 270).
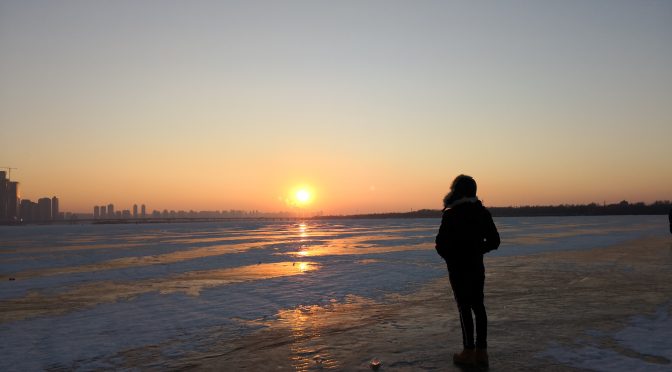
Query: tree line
point(592, 209)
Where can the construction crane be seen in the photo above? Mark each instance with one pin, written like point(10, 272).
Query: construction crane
point(9, 174)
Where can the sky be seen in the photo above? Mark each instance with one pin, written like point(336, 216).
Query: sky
point(373, 106)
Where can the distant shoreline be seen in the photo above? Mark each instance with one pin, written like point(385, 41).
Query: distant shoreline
point(621, 209)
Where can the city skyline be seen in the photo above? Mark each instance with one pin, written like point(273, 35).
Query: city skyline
point(373, 106)
point(15, 208)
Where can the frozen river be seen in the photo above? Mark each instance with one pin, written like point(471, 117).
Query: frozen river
point(147, 295)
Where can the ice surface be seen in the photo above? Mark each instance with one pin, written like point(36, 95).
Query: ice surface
point(63, 323)
point(643, 345)
point(647, 335)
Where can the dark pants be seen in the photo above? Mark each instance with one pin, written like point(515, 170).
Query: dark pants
point(468, 291)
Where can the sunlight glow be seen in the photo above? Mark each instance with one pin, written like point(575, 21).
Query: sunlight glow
point(302, 196)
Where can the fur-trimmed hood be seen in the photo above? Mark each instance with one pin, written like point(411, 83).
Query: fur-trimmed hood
point(448, 203)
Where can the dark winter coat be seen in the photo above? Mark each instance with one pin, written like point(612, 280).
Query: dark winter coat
point(466, 233)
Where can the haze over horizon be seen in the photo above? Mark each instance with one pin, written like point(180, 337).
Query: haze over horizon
point(371, 106)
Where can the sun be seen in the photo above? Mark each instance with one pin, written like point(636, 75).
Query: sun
point(302, 196)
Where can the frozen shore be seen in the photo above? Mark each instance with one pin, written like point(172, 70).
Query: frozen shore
point(600, 309)
point(562, 293)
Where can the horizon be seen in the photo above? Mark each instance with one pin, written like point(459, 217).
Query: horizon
point(344, 108)
point(296, 208)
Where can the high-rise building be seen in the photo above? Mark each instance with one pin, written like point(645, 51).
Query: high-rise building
point(27, 210)
point(103, 211)
point(54, 208)
point(13, 200)
point(96, 212)
point(3, 195)
point(135, 211)
point(34, 212)
point(44, 207)
point(143, 211)
point(110, 210)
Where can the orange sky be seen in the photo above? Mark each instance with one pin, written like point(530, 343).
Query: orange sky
point(376, 107)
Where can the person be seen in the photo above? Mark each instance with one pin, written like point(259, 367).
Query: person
point(669, 217)
point(467, 232)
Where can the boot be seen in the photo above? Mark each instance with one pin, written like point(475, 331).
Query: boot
point(481, 357)
point(466, 357)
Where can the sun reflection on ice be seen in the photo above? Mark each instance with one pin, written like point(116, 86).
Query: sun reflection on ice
point(308, 349)
point(303, 230)
point(313, 331)
point(355, 245)
point(303, 234)
point(190, 283)
point(303, 266)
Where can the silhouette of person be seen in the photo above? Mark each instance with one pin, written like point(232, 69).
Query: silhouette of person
point(467, 232)
point(669, 217)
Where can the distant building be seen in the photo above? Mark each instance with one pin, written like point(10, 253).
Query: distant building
point(34, 212)
point(55, 214)
point(28, 210)
point(13, 209)
point(3, 195)
point(143, 211)
point(135, 211)
point(103, 211)
point(96, 212)
point(44, 209)
point(126, 214)
point(110, 210)
point(13, 200)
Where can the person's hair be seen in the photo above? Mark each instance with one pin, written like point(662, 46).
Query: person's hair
point(463, 186)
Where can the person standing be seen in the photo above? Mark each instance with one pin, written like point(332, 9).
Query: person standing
point(466, 233)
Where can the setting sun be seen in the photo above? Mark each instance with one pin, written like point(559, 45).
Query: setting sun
point(302, 196)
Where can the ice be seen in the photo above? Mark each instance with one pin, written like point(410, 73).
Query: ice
point(643, 345)
point(647, 334)
point(137, 322)
point(551, 234)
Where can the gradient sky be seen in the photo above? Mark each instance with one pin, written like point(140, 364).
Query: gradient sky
point(375, 105)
